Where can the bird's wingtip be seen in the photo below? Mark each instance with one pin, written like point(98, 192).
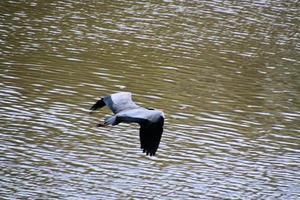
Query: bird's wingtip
point(98, 105)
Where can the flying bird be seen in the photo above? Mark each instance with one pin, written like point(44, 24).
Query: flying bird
point(125, 110)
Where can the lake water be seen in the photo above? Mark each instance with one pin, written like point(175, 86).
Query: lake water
point(226, 74)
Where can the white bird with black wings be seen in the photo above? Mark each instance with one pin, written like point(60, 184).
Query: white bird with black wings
point(151, 121)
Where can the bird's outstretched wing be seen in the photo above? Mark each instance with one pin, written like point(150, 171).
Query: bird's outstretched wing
point(150, 135)
point(151, 127)
point(116, 102)
point(99, 104)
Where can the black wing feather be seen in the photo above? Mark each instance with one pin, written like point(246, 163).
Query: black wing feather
point(99, 104)
point(150, 135)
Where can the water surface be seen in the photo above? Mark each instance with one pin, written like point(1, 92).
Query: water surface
point(226, 74)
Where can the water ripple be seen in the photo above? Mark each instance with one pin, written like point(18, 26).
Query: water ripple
point(226, 75)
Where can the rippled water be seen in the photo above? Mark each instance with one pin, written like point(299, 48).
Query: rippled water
point(226, 73)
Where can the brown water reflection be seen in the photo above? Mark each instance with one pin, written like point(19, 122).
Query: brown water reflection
point(226, 74)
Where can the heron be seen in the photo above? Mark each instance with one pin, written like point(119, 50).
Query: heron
point(125, 110)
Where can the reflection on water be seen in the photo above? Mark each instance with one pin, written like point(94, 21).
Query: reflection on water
point(226, 74)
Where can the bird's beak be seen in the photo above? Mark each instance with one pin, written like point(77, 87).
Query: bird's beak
point(101, 125)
